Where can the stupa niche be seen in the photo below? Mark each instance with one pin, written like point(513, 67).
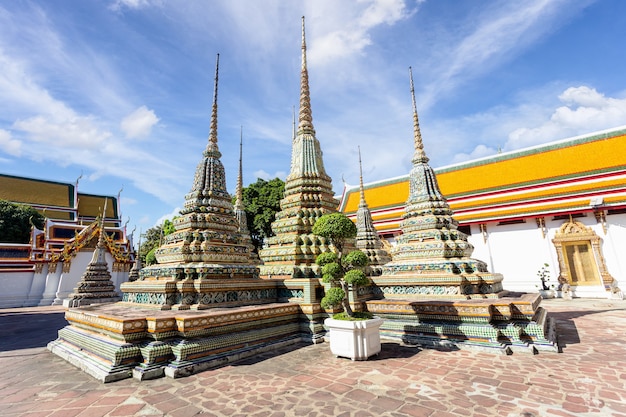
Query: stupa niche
point(367, 239)
point(308, 196)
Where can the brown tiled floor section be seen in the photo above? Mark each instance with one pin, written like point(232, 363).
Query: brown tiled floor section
point(587, 379)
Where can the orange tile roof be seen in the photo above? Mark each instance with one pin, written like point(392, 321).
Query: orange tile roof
point(36, 192)
point(55, 197)
point(556, 177)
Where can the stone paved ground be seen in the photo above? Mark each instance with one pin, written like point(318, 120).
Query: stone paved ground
point(587, 379)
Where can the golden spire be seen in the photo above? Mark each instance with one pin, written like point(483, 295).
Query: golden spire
point(98, 254)
point(305, 119)
point(293, 137)
point(419, 156)
point(239, 189)
point(212, 145)
point(362, 203)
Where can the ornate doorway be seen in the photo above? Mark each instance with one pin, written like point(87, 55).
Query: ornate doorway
point(581, 262)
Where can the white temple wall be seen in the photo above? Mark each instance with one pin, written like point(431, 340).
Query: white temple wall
point(15, 287)
point(614, 248)
point(518, 251)
point(37, 287)
point(52, 284)
point(27, 288)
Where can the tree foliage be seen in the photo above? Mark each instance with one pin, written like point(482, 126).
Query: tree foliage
point(341, 271)
point(336, 227)
point(262, 201)
point(152, 238)
point(15, 222)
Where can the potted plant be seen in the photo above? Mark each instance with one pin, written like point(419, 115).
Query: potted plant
point(546, 290)
point(354, 335)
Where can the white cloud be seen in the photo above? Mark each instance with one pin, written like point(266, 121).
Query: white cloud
point(352, 35)
point(139, 123)
point(584, 110)
point(133, 4)
point(75, 133)
point(536, 120)
point(169, 216)
point(267, 176)
point(127, 201)
point(9, 145)
point(496, 34)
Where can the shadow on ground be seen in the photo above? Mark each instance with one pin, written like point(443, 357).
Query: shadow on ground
point(29, 330)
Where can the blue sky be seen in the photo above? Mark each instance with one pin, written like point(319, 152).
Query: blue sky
point(120, 91)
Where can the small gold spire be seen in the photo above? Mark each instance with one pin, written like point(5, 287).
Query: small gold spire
point(305, 118)
point(239, 190)
point(419, 156)
point(212, 146)
point(361, 178)
point(293, 136)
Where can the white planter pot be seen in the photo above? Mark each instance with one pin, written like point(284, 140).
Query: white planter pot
point(357, 340)
point(546, 293)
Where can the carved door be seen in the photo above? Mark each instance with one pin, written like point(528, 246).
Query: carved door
point(582, 266)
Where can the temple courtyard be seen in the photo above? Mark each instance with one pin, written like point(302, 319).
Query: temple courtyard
point(588, 378)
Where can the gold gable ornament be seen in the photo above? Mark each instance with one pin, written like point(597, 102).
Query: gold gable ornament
point(581, 261)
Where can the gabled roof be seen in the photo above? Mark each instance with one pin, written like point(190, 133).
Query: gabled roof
point(56, 198)
point(554, 178)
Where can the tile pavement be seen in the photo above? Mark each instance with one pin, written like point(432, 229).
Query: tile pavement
point(587, 379)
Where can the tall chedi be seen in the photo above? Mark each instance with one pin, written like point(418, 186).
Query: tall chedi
point(308, 196)
point(432, 255)
point(367, 239)
point(207, 244)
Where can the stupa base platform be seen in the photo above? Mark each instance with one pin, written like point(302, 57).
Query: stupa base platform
point(514, 323)
point(288, 271)
point(81, 302)
point(113, 342)
point(443, 286)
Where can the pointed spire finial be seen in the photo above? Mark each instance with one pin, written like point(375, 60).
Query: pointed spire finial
point(305, 118)
point(239, 190)
point(212, 146)
point(104, 214)
point(361, 178)
point(293, 137)
point(419, 156)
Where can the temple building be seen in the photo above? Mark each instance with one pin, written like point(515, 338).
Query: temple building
point(46, 270)
point(562, 204)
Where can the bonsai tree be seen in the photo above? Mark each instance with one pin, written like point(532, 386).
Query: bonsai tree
point(337, 269)
point(544, 277)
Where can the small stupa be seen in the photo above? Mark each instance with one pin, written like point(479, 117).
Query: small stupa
point(240, 211)
point(291, 252)
point(367, 239)
point(133, 275)
point(431, 252)
point(95, 285)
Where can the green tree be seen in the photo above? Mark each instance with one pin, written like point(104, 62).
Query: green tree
point(152, 238)
point(261, 201)
point(15, 222)
point(337, 269)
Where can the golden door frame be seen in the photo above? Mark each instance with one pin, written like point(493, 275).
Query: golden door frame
point(571, 234)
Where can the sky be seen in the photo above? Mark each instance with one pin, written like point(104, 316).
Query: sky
point(118, 93)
